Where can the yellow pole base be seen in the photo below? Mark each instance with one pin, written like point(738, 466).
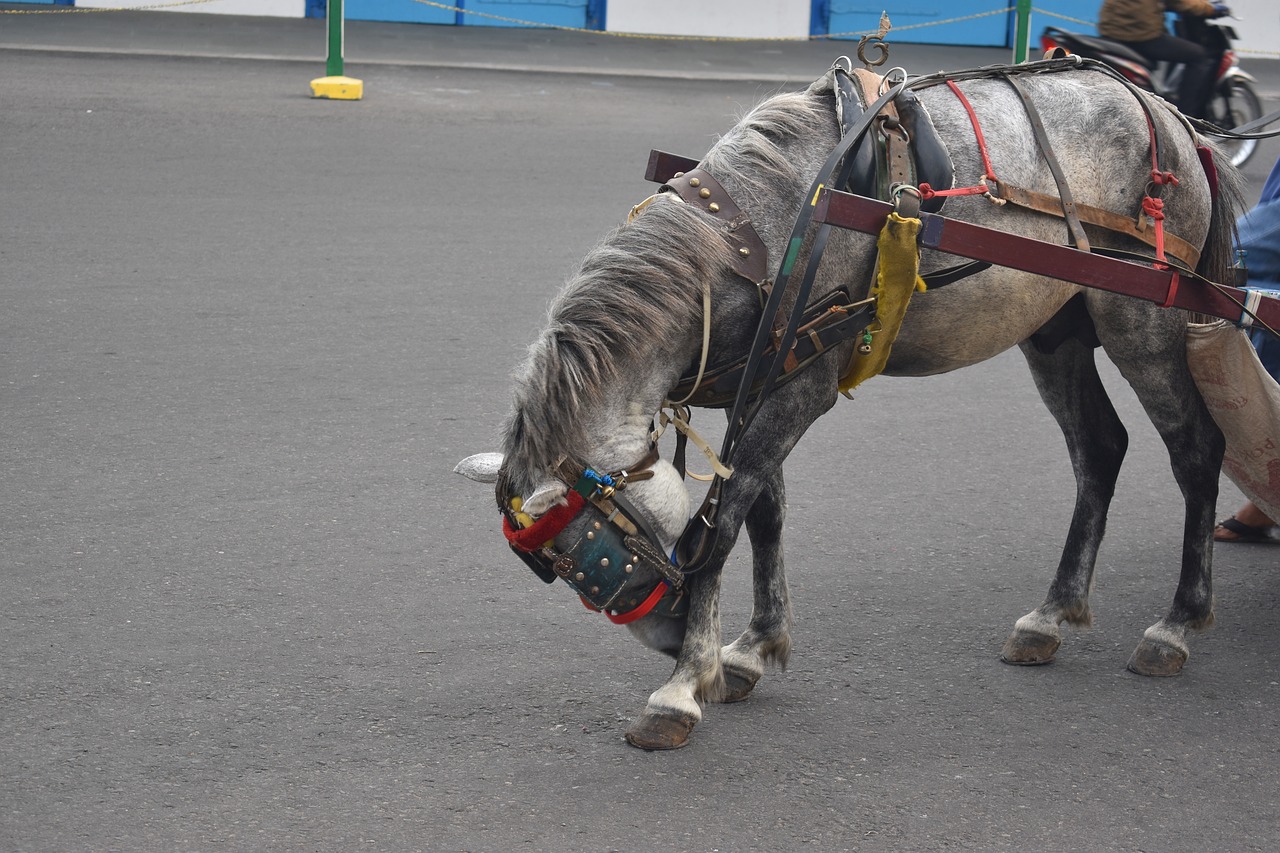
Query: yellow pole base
point(337, 88)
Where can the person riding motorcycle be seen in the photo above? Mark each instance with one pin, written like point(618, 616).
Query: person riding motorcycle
point(1139, 24)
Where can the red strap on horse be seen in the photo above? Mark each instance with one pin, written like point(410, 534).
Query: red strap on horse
point(977, 129)
point(1160, 178)
point(1173, 291)
point(644, 609)
point(547, 527)
point(1153, 206)
point(927, 192)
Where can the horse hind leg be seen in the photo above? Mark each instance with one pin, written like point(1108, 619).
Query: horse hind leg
point(767, 639)
point(1162, 381)
point(1068, 382)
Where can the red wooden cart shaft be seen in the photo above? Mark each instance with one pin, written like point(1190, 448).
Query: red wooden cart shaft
point(952, 236)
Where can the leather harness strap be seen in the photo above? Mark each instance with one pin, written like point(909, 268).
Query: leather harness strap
point(1097, 270)
point(1179, 249)
point(701, 534)
point(1066, 199)
point(1001, 192)
point(827, 324)
point(898, 164)
point(697, 187)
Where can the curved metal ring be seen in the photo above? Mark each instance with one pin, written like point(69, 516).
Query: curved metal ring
point(878, 44)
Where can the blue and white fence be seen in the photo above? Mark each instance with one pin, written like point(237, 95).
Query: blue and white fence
point(957, 22)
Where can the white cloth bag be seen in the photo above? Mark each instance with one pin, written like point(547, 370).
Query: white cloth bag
point(1245, 402)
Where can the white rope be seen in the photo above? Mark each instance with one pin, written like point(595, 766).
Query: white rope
point(680, 421)
point(706, 344)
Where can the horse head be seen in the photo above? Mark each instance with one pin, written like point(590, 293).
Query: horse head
point(612, 547)
point(621, 333)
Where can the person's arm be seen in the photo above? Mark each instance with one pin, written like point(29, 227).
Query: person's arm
point(1200, 8)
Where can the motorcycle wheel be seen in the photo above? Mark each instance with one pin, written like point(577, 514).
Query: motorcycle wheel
point(1233, 105)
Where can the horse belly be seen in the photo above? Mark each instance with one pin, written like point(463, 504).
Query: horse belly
point(973, 320)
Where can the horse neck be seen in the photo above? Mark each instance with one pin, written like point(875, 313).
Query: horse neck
point(619, 436)
point(769, 160)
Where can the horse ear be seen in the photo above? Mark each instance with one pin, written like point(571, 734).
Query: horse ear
point(544, 497)
point(482, 467)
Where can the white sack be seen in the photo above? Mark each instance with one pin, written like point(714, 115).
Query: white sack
point(1245, 402)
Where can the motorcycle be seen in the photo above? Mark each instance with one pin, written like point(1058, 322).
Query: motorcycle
point(1234, 102)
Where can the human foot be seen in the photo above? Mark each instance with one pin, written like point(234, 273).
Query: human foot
point(1234, 530)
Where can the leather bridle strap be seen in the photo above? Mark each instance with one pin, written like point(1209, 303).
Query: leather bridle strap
point(640, 611)
point(553, 521)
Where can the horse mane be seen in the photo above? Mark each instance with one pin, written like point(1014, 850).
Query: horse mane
point(637, 298)
point(634, 302)
point(755, 151)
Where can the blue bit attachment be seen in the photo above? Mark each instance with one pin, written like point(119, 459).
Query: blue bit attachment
point(591, 482)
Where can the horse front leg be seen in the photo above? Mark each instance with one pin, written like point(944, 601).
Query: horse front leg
point(1068, 382)
point(700, 676)
point(676, 707)
point(754, 495)
point(767, 639)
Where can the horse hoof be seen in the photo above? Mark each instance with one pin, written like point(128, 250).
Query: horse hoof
point(738, 685)
point(1028, 648)
point(1156, 659)
point(654, 732)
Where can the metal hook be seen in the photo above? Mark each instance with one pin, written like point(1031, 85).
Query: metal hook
point(875, 40)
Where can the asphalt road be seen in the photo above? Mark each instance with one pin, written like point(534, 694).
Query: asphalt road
point(244, 604)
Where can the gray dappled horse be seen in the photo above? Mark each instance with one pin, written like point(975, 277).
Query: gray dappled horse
point(629, 323)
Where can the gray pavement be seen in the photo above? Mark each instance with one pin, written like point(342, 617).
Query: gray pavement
point(245, 605)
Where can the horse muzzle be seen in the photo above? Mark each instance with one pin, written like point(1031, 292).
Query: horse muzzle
point(598, 543)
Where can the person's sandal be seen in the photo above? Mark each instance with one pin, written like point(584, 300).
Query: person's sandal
point(1243, 532)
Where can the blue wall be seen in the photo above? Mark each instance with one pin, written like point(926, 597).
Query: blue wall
point(826, 17)
point(559, 13)
point(584, 14)
point(859, 16)
point(1071, 9)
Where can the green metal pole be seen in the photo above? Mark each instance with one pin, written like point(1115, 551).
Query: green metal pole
point(333, 11)
point(1021, 31)
point(336, 84)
